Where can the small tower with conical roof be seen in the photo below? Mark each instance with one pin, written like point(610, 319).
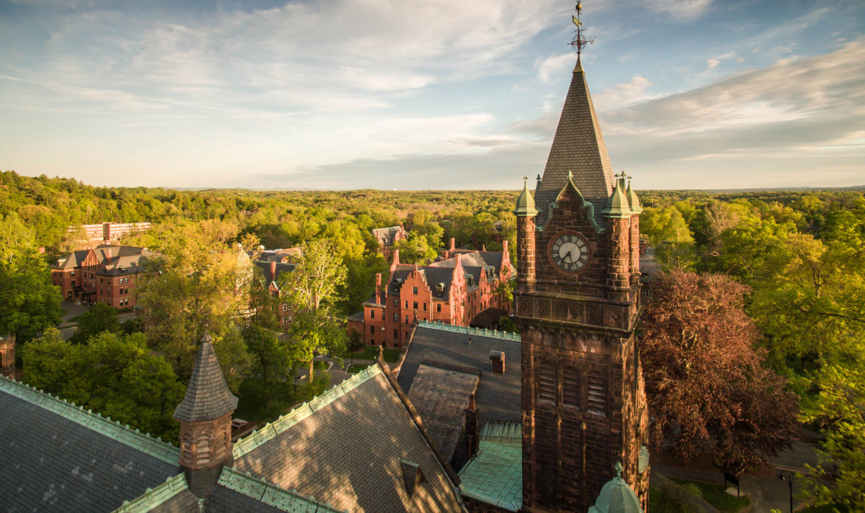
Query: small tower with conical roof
point(526, 212)
point(205, 422)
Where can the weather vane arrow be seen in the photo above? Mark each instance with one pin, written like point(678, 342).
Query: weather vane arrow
point(578, 42)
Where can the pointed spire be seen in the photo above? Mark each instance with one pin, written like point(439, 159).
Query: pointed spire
point(578, 145)
point(208, 396)
point(526, 203)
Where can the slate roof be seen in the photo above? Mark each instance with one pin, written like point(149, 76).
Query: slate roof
point(172, 496)
point(73, 259)
point(495, 474)
point(208, 396)
point(122, 260)
point(237, 492)
point(280, 268)
point(345, 447)
point(385, 236)
point(498, 395)
point(578, 147)
point(58, 457)
point(440, 396)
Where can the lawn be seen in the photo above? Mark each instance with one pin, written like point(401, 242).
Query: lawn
point(76, 318)
point(717, 497)
point(357, 367)
point(391, 355)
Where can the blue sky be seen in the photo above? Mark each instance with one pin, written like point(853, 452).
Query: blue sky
point(432, 94)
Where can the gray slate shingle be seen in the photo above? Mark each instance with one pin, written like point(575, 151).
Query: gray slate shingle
point(50, 463)
point(208, 396)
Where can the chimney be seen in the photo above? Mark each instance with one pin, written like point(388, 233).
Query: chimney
point(453, 245)
point(497, 361)
point(395, 257)
point(273, 270)
point(472, 428)
point(378, 288)
point(107, 252)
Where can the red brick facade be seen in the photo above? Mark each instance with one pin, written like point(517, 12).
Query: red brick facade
point(583, 402)
point(451, 291)
point(107, 274)
point(387, 237)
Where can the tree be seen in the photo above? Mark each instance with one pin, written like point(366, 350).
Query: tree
point(123, 379)
point(311, 290)
point(706, 385)
point(99, 318)
point(29, 302)
point(840, 410)
point(200, 280)
point(415, 249)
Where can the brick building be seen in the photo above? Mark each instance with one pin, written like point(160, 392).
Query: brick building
point(454, 290)
point(387, 237)
point(272, 269)
point(107, 233)
point(106, 274)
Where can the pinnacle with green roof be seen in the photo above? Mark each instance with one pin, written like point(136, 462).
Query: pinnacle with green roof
point(617, 204)
point(208, 396)
point(526, 202)
point(633, 200)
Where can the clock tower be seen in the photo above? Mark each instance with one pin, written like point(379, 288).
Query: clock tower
point(577, 304)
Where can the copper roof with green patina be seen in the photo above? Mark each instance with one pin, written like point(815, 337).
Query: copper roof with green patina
point(495, 474)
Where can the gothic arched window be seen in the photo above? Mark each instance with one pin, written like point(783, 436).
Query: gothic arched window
point(546, 383)
point(597, 394)
point(570, 387)
point(220, 444)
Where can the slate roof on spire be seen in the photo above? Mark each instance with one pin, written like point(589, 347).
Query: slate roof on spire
point(578, 147)
point(208, 396)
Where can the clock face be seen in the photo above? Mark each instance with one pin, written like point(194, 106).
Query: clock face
point(569, 252)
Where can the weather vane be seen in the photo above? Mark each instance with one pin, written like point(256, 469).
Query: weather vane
point(578, 42)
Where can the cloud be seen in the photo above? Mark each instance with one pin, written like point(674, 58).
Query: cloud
point(622, 94)
point(712, 63)
point(553, 66)
point(681, 9)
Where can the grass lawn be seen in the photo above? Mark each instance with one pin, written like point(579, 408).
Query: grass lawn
point(319, 365)
point(357, 367)
point(825, 509)
point(714, 495)
point(391, 355)
point(75, 319)
point(63, 312)
point(664, 503)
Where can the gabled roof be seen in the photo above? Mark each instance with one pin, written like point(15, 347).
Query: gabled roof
point(59, 457)
point(385, 236)
point(440, 396)
point(345, 448)
point(578, 147)
point(172, 496)
point(498, 395)
point(208, 396)
point(280, 268)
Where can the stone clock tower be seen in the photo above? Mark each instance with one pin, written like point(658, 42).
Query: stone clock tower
point(577, 303)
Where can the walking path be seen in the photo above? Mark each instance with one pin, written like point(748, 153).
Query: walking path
point(767, 493)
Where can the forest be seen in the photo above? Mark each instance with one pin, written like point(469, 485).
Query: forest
point(770, 283)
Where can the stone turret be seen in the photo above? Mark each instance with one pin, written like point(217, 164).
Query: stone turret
point(205, 422)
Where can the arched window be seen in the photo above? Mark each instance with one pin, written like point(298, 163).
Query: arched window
point(546, 383)
point(597, 394)
point(570, 387)
point(186, 447)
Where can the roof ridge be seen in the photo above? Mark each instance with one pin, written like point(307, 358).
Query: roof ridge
point(307, 409)
point(155, 447)
point(504, 335)
point(154, 497)
point(270, 493)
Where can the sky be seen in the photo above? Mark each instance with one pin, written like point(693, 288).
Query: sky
point(432, 94)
